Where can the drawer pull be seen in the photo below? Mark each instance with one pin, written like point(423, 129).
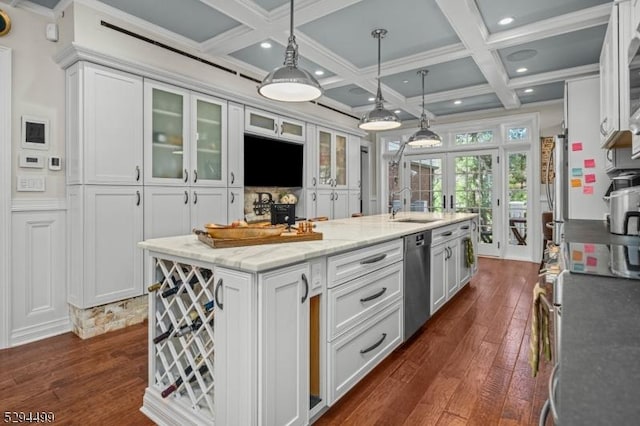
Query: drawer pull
point(447, 234)
point(375, 345)
point(374, 296)
point(215, 294)
point(465, 227)
point(373, 259)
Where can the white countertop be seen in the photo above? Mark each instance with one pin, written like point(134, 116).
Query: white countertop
point(338, 236)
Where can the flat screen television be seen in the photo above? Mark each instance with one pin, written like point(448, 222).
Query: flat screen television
point(271, 162)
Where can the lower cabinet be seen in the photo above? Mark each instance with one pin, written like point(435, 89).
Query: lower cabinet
point(235, 206)
point(332, 203)
point(104, 225)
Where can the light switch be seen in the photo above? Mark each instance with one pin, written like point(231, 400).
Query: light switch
point(30, 183)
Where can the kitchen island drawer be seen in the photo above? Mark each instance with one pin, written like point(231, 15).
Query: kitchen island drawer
point(356, 353)
point(347, 266)
point(359, 299)
point(445, 233)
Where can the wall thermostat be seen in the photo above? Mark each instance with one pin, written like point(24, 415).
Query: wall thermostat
point(33, 161)
point(35, 132)
point(55, 163)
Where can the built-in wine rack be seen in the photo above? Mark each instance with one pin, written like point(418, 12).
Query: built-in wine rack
point(182, 330)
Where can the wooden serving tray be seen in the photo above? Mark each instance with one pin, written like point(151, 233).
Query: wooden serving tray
point(286, 237)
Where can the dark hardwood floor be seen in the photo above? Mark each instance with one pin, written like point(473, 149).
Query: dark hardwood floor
point(468, 365)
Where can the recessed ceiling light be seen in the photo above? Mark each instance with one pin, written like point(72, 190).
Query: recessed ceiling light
point(458, 102)
point(371, 99)
point(505, 21)
point(521, 70)
point(265, 45)
point(319, 72)
point(528, 90)
point(405, 81)
point(397, 111)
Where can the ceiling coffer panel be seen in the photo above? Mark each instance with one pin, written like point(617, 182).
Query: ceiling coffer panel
point(472, 103)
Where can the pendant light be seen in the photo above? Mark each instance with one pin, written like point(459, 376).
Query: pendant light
point(289, 83)
point(424, 136)
point(379, 118)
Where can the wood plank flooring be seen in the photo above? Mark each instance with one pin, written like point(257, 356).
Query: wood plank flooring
point(467, 366)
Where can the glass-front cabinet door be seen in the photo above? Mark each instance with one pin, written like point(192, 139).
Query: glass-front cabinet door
point(292, 129)
point(209, 136)
point(166, 133)
point(332, 159)
point(341, 161)
point(261, 122)
point(325, 146)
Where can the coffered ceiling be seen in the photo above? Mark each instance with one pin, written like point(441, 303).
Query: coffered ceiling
point(471, 57)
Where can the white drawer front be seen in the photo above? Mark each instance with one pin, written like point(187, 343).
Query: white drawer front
point(443, 234)
point(344, 267)
point(356, 353)
point(361, 298)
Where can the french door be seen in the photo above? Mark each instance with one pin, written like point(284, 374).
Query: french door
point(461, 182)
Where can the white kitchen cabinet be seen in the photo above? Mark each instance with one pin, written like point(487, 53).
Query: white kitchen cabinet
point(310, 203)
point(235, 151)
point(208, 205)
point(445, 265)
point(332, 203)
point(311, 157)
point(104, 126)
point(284, 330)
point(332, 159)
point(354, 202)
point(614, 76)
point(353, 166)
point(465, 270)
point(185, 137)
point(438, 294)
point(104, 224)
point(235, 206)
point(273, 125)
point(635, 17)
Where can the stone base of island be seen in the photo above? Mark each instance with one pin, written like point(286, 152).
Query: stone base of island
point(275, 334)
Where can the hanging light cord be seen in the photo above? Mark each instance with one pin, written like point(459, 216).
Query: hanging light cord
point(291, 52)
point(424, 121)
point(379, 100)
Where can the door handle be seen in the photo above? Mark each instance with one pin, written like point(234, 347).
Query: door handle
point(314, 181)
point(373, 296)
point(233, 177)
point(195, 197)
point(186, 175)
point(336, 195)
point(233, 197)
point(138, 200)
point(451, 202)
point(444, 202)
point(373, 259)
point(137, 173)
point(306, 288)
point(186, 197)
point(195, 175)
point(375, 345)
point(215, 294)
point(314, 196)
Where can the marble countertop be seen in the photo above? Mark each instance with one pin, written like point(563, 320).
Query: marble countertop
point(338, 236)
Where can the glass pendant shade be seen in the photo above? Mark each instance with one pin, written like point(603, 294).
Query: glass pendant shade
point(289, 83)
point(379, 118)
point(425, 136)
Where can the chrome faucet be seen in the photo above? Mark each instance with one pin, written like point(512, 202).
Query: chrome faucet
point(393, 211)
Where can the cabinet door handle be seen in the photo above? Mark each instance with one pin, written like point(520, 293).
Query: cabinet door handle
point(336, 195)
point(195, 175)
point(447, 234)
point(603, 131)
point(137, 173)
point(331, 196)
point(475, 225)
point(306, 288)
point(186, 197)
point(138, 200)
point(275, 127)
point(314, 181)
point(444, 202)
point(233, 197)
point(215, 294)
point(373, 259)
point(195, 197)
point(282, 129)
point(373, 296)
point(451, 202)
point(233, 178)
point(448, 249)
point(186, 175)
point(314, 196)
point(375, 345)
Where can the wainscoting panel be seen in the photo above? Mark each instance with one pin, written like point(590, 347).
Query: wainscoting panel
point(38, 270)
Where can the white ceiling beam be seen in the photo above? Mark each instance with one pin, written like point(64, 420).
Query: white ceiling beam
point(14, 3)
point(465, 18)
point(333, 81)
point(450, 95)
point(307, 11)
point(554, 76)
point(247, 13)
point(574, 21)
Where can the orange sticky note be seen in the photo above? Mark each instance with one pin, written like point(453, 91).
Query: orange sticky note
point(576, 256)
point(587, 190)
point(590, 178)
point(576, 183)
point(589, 163)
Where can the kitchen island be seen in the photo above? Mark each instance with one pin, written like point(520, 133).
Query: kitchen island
point(599, 368)
point(274, 334)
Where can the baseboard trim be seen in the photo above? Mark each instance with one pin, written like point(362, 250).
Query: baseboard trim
point(38, 205)
point(169, 411)
point(41, 331)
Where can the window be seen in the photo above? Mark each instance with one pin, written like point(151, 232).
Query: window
point(471, 138)
point(518, 134)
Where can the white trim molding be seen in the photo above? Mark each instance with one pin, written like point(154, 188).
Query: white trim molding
point(5, 194)
point(39, 205)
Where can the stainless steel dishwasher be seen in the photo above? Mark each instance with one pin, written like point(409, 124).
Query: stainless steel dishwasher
point(416, 281)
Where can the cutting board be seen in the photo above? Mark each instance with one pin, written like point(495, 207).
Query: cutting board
point(286, 237)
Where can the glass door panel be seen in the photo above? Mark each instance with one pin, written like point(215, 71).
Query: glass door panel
point(292, 130)
point(209, 147)
point(341, 160)
point(426, 182)
point(324, 158)
point(517, 199)
point(167, 127)
point(263, 122)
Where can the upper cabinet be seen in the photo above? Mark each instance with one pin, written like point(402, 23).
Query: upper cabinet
point(354, 162)
point(235, 157)
point(614, 77)
point(274, 126)
point(332, 159)
point(104, 126)
point(185, 137)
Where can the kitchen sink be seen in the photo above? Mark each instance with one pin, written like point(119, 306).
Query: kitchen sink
point(416, 220)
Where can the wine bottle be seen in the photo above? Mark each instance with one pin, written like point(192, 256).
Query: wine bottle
point(208, 306)
point(160, 337)
point(153, 287)
point(187, 372)
point(178, 285)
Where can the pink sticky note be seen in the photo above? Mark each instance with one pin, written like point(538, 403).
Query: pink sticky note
point(592, 261)
point(589, 163)
point(576, 146)
point(590, 178)
point(587, 190)
point(589, 248)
